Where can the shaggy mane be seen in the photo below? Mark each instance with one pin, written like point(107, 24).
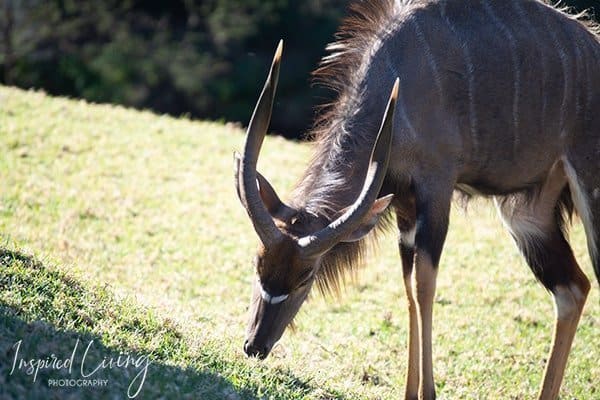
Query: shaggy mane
point(341, 71)
point(585, 17)
point(368, 22)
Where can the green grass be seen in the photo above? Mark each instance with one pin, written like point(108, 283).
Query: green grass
point(145, 249)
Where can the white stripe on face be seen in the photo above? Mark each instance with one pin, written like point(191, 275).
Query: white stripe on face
point(272, 299)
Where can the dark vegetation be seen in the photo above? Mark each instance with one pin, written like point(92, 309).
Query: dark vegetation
point(202, 58)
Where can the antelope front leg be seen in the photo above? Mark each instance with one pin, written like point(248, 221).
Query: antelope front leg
point(407, 254)
point(424, 282)
point(405, 219)
point(432, 226)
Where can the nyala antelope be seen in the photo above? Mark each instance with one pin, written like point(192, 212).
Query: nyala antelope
point(499, 98)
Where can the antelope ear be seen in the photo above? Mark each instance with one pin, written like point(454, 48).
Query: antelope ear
point(268, 195)
point(273, 204)
point(370, 220)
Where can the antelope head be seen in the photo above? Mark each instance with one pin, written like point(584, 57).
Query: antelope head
point(293, 241)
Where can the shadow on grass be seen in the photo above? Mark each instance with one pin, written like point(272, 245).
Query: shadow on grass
point(35, 358)
point(53, 345)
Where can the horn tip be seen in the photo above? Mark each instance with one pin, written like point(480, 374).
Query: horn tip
point(279, 51)
point(395, 89)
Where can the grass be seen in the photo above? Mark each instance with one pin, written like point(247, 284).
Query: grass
point(122, 227)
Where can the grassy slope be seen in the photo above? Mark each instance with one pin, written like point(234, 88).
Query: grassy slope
point(136, 220)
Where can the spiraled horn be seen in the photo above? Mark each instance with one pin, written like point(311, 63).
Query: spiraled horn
point(245, 164)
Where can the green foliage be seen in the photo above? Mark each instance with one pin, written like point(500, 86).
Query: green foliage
point(207, 59)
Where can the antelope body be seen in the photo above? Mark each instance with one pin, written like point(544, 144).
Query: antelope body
point(493, 97)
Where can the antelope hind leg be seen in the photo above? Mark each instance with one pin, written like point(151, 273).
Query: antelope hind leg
point(536, 227)
point(568, 301)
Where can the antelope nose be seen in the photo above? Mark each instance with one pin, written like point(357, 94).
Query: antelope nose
point(253, 350)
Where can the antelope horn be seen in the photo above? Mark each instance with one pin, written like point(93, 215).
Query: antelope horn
point(245, 165)
point(329, 236)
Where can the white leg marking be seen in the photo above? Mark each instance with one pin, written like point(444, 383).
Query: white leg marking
point(581, 202)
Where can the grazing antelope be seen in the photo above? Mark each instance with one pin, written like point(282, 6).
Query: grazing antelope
point(495, 97)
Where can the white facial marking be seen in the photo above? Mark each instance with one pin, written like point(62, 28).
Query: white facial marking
point(270, 298)
point(305, 240)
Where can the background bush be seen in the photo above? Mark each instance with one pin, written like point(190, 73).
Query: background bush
point(206, 58)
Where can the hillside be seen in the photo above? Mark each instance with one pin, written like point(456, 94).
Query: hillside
point(123, 227)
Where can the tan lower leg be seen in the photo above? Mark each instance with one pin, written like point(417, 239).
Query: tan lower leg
point(412, 371)
point(424, 287)
point(569, 301)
